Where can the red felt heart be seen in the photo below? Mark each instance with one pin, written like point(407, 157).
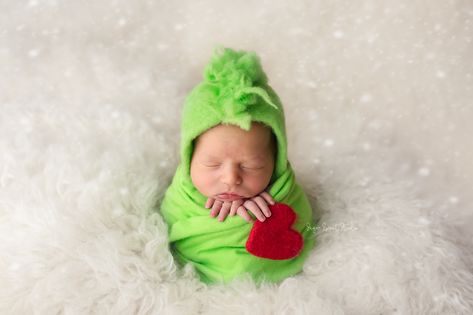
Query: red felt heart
point(274, 238)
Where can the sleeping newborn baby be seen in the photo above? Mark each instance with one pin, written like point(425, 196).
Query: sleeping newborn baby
point(233, 167)
point(234, 208)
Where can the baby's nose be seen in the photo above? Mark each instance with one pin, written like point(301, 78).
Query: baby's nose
point(231, 176)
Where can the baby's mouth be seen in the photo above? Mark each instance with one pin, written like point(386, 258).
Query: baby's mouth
point(229, 196)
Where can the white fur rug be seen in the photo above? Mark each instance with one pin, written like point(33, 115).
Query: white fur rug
point(378, 105)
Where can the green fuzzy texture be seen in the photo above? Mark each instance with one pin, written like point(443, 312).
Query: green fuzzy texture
point(234, 91)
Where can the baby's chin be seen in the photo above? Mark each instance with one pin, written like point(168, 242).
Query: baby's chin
point(228, 199)
point(246, 196)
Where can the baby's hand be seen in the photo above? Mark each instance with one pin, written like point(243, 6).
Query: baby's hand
point(258, 205)
point(222, 208)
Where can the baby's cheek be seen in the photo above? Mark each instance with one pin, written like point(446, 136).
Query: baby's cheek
point(257, 183)
point(204, 182)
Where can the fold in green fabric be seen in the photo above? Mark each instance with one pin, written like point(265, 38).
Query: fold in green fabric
point(234, 91)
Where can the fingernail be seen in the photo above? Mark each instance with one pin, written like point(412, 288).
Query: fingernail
point(262, 220)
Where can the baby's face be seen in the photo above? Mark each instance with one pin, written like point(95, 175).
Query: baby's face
point(227, 158)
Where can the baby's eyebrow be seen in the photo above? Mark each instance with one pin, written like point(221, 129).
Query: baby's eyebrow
point(256, 157)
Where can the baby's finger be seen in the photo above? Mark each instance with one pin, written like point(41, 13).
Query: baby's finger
point(262, 205)
point(244, 214)
point(253, 207)
point(235, 205)
point(215, 208)
point(224, 211)
point(209, 203)
point(267, 197)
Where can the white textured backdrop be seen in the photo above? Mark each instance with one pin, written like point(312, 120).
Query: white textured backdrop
point(378, 98)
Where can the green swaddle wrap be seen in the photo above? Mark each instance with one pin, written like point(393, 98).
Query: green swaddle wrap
point(234, 91)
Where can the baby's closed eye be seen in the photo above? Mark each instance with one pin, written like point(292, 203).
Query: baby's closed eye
point(252, 168)
point(214, 165)
point(245, 167)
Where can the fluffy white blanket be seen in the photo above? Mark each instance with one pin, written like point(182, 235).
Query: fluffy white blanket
point(378, 105)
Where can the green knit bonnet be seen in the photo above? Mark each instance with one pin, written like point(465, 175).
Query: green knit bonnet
point(234, 91)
